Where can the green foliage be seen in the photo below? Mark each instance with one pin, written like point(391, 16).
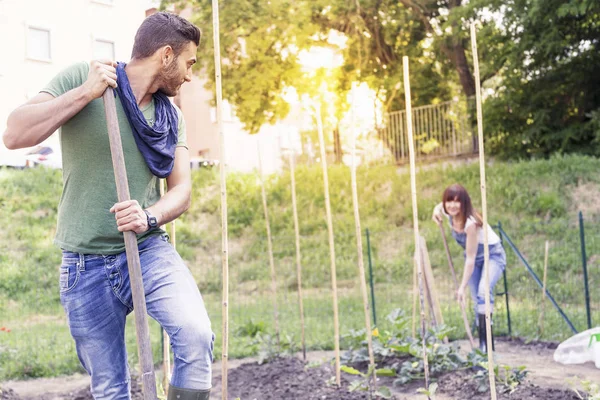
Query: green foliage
point(547, 99)
point(402, 357)
point(533, 199)
point(430, 391)
point(260, 48)
point(539, 58)
point(365, 381)
point(270, 347)
point(507, 378)
point(591, 391)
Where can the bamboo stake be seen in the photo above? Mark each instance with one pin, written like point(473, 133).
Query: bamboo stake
point(131, 249)
point(430, 281)
point(413, 189)
point(488, 321)
point(166, 342)
point(336, 321)
point(269, 244)
point(359, 248)
point(414, 313)
point(429, 313)
point(543, 299)
point(462, 305)
point(298, 255)
point(224, 244)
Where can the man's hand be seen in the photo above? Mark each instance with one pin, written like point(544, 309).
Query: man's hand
point(103, 73)
point(130, 216)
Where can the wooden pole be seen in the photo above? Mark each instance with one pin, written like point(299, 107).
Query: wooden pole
point(222, 166)
point(488, 321)
point(429, 313)
point(298, 255)
point(166, 342)
point(336, 322)
point(269, 244)
point(461, 304)
point(543, 299)
point(415, 297)
point(359, 248)
point(435, 304)
point(413, 190)
point(131, 248)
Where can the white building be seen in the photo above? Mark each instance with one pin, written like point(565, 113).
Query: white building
point(38, 38)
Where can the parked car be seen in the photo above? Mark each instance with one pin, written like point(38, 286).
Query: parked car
point(196, 163)
point(44, 156)
point(13, 159)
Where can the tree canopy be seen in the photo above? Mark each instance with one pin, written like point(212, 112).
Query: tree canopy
point(540, 63)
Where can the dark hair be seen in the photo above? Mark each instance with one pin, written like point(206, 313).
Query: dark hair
point(458, 193)
point(164, 29)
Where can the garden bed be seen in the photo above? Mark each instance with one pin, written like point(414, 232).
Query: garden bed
point(291, 378)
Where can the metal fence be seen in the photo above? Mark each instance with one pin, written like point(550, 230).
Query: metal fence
point(440, 130)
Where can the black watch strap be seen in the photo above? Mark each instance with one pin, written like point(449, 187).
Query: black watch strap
point(152, 222)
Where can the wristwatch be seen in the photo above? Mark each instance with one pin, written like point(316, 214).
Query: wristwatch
point(152, 222)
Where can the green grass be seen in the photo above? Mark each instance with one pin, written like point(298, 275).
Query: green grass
point(534, 201)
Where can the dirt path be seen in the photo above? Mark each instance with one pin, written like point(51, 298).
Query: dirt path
point(538, 359)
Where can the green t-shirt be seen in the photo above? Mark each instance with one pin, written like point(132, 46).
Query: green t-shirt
point(85, 224)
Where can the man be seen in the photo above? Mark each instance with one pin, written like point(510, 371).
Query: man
point(95, 289)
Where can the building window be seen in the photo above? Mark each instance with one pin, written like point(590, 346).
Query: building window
point(38, 44)
point(104, 50)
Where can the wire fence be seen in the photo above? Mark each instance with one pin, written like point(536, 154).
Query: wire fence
point(39, 337)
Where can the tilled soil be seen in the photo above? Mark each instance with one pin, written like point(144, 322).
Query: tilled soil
point(82, 394)
point(287, 378)
point(461, 385)
point(8, 394)
point(291, 378)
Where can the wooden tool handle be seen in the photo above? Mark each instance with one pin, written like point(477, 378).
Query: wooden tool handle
point(131, 248)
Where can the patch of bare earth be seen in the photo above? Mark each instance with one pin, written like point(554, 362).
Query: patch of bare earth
point(291, 378)
point(584, 198)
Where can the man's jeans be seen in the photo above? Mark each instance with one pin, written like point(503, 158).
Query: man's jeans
point(96, 294)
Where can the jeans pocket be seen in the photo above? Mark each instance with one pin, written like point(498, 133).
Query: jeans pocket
point(69, 275)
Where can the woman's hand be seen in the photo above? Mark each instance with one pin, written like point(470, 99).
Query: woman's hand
point(437, 215)
point(460, 295)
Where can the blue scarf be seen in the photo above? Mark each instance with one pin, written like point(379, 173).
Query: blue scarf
point(157, 143)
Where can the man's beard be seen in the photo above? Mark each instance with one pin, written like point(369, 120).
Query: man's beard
point(170, 80)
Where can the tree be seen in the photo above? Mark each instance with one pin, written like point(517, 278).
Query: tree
point(259, 48)
point(548, 97)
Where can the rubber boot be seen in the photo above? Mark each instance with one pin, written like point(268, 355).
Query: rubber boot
point(176, 393)
point(483, 333)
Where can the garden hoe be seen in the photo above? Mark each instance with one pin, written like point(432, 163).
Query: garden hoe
point(131, 248)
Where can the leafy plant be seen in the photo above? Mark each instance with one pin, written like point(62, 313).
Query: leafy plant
point(507, 378)
point(365, 381)
point(251, 328)
point(430, 391)
point(591, 389)
point(270, 349)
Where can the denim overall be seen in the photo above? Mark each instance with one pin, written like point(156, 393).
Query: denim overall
point(477, 284)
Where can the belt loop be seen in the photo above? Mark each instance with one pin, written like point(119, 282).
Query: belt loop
point(81, 266)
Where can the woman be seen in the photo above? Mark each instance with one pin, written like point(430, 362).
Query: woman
point(467, 230)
